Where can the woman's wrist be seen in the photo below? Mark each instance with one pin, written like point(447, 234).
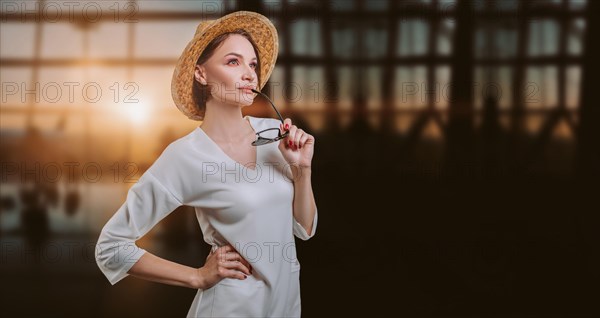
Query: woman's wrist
point(300, 173)
point(197, 280)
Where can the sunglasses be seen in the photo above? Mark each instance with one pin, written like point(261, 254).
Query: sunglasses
point(269, 135)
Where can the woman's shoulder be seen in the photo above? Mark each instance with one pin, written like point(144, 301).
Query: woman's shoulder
point(174, 166)
point(183, 143)
point(178, 151)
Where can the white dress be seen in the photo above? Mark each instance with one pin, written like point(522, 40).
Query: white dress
point(250, 209)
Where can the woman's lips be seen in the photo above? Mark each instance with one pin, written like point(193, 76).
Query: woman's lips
point(247, 89)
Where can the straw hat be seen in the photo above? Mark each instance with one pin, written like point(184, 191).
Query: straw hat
point(263, 33)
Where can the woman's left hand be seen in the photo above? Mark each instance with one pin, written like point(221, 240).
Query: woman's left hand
point(298, 147)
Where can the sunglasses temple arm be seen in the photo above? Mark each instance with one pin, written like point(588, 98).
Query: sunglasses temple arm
point(271, 102)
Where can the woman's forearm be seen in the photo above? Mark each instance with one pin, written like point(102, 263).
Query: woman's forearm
point(304, 200)
point(153, 268)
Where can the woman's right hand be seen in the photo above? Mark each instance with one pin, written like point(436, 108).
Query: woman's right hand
point(224, 262)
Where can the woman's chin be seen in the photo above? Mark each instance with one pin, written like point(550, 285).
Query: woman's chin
point(240, 102)
point(246, 101)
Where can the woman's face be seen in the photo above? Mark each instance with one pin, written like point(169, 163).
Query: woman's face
point(231, 72)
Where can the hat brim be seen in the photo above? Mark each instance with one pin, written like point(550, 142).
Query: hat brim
point(261, 30)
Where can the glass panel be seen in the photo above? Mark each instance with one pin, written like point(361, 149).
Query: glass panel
point(376, 5)
point(59, 85)
point(479, 5)
point(109, 40)
point(306, 37)
point(505, 76)
point(345, 88)
point(537, 4)
point(276, 82)
point(113, 84)
point(343, 42)
point(15, 83)
point(506, 4)
point(11, 122)
point(376, 42)
point(373, 82)
point(446, 5)
point(573, 86)
point(205, 6)
point(543, 37)
point(77, 86)
point(577, 4)
point(444, 36)
point(575, 37)
point(61, 40)
point(163, 39)
point(342, 5)
point(499, 41)
point(230, 5)
point(302, 3)
point(410, 87)
point(309, 81)
point(412, 37)
point(414, 4)
point(154, 87)
point(495, 82)
point(281, 36)
point(541, 87)
point(17, 40)
point(272, 5)
point(480, 73)
point(442, 91)
point(506, 42)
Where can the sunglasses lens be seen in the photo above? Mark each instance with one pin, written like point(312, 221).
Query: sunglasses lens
point(269, 134)
point(262, 141)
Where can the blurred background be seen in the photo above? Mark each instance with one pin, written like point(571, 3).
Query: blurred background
point(455, 170)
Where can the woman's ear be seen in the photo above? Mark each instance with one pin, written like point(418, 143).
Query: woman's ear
point(200, 74)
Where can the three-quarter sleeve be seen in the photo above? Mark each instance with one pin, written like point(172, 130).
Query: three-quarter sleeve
point(301, 233)
point(148, 201)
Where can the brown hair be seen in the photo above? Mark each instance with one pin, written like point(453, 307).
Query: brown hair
point(201, 93)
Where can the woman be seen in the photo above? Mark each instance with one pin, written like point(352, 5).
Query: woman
point(249, 200)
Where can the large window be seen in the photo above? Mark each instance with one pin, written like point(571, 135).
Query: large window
point(395, 56)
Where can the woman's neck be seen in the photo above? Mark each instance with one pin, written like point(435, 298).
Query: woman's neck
point(225, 123)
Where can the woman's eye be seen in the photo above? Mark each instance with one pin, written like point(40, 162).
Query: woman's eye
point(253, 65)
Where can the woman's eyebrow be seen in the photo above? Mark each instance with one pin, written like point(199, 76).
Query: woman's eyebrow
point(238, 55)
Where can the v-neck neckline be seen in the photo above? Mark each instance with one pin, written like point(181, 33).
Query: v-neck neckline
point(225, 154)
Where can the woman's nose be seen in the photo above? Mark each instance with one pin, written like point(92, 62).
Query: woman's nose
point(249, 74)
